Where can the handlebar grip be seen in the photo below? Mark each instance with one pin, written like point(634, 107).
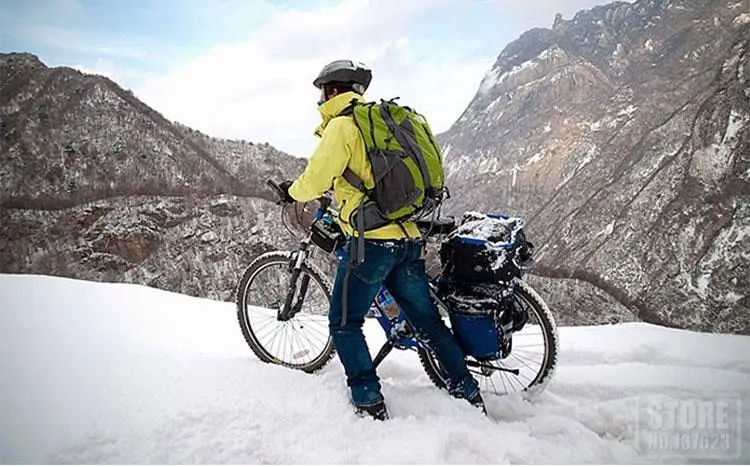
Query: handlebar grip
point(273, 185)
point(276, 188)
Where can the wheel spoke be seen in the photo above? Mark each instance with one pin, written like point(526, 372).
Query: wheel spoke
point(267, 326)
point(314, 331)
point(299, 341)
point(277, 338)
point(523, 363)
point(266, 330)
point(306, 343)
point(527, 352)
point(502, 378)
point(522, 374)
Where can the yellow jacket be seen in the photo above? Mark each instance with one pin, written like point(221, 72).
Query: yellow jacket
point(342, 146)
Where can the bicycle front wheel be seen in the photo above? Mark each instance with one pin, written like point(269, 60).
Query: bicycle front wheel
point(301, 342)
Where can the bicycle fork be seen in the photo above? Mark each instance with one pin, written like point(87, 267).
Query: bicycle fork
point(288, 311)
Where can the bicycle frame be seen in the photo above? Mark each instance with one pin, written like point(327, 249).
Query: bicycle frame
point(288, 311)
point(482, 316)
point(397, 334)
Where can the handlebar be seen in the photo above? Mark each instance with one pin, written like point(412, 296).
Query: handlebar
point(324, 201)
point(277, 189)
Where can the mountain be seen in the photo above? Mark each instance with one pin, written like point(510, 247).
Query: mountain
point(124, 374)
point(622, 136)
point(95, 184)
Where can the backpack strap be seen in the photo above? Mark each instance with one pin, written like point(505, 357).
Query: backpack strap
point(354, 180)
point(404, 134)
point(349, 109)
point(345, 290)
point(361, 233)
point(348, 175)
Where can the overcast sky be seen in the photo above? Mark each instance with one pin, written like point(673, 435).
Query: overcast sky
point(244, 68)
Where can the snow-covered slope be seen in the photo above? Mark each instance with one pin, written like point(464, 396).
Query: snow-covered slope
point(119, 373)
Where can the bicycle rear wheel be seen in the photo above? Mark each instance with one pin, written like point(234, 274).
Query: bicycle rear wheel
point(533, 358)
point(302, 342)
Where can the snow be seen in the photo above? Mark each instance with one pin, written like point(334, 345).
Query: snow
point(619, 52)
point(735, 123)
point(209, 237)
point(553, 52)
point(584, 158)
point(744, 18)
point(447, 150)
point(495, 231)
point(519, 68)
point(97, 373)
point(732, 297)
point(702, 283)
point(628, 111)
point(491, 78)
point(713, 162)
point(536, 157)
point(730, 64)
point(731, 238)
point(607, 231)
point(494, 77)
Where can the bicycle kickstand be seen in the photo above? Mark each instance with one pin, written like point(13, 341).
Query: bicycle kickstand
point(384, 351)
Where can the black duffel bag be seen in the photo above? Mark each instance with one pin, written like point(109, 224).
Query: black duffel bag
point(485, 249)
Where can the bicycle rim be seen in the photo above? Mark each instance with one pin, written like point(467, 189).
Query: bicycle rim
point(300, 342)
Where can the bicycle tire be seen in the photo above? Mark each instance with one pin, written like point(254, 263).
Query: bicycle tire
point(526, 294)
point(251, 273)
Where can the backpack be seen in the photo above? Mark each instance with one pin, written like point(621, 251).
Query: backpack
point(406, 162)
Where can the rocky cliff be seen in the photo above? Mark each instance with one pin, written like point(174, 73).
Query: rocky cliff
point(95, 184)
point(622, 135)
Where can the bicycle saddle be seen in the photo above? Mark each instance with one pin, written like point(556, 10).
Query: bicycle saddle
point(437, 226)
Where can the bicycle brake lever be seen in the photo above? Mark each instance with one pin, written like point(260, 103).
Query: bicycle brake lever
point(278, 190)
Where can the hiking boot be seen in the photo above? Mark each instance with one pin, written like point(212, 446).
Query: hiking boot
point(377, 411)
point(478, 402)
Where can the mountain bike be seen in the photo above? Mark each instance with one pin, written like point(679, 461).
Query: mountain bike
point(283, 299)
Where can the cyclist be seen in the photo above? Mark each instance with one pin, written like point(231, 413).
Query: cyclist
point(393, 255)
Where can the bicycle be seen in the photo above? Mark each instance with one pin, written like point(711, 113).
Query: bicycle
point(283, 299)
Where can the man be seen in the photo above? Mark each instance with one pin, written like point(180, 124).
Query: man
point(393, 255)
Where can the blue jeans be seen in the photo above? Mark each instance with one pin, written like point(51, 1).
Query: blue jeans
point(397, 264)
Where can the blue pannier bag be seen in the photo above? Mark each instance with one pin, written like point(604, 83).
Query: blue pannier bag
point(476, 316)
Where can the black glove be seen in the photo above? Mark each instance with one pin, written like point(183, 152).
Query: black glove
point(286, 198)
